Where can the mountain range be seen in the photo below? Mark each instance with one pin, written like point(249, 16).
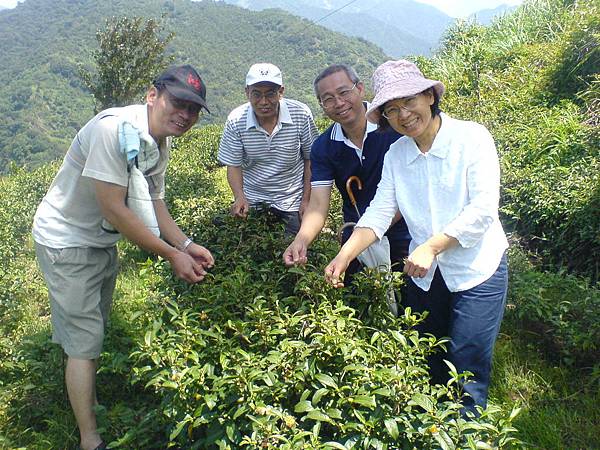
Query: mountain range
point(44, 42)
point(42, 98)
point(485, 16)
point(400, 27)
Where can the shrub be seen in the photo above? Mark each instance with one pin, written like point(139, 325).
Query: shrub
point(260, 356)
point(560, 308)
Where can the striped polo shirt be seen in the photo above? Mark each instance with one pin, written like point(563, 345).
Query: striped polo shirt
point(272, 165)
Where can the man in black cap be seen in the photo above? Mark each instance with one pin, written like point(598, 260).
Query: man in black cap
point(84, 213)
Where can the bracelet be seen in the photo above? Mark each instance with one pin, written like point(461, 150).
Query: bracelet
point(185, 244)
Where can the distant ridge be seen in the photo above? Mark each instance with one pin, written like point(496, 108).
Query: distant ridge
point(399, 27)
point(485, 16)
point(43, 102)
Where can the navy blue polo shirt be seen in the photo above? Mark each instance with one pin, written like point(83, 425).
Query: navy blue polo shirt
point(333, 161)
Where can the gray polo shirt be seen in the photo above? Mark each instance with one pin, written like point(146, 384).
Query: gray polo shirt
point(69, 215)
point(272, 165)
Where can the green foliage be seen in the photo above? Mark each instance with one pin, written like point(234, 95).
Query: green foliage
point(262, 356)
point(131, 54)
point(562, 310)
point(265, 357)
point(43, 101)
point(250, 314)
point(531, 78)
point(580, 60)
point(21, 193)
point(559, 402)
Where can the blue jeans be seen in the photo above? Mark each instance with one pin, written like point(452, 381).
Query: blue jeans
point(471, 319)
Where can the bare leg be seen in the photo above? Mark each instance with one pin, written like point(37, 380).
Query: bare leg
point(80, 377)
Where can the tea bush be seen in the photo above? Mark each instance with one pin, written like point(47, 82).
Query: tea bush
point(260, 356)
point(21, 193)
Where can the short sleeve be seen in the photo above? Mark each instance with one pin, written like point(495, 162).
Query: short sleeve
point(104, 160)
point(322, 168)
point(231, 147)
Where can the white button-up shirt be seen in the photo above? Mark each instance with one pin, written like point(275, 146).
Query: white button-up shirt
point(454, 188)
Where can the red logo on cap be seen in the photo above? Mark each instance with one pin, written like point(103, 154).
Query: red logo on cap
point(194, 81)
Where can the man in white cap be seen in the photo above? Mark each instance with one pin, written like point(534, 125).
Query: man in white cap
point(266, 148)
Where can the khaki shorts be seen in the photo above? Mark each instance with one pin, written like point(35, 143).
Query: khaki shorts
point(80, 283)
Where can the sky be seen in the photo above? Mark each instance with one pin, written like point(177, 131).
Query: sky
point(8, 3)
point(454, 8)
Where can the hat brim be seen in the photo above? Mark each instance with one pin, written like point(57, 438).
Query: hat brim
point(276, 81)
point(185, 94)
point(400, 89)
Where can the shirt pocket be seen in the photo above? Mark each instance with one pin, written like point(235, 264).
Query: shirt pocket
point(286, 154)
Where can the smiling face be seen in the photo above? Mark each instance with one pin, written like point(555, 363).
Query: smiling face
point(412, 115)
point(341, 99)
point(168, 115)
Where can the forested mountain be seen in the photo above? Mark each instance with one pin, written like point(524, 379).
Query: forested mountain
point(485, 16)
point(43, 101)
point(400, 27)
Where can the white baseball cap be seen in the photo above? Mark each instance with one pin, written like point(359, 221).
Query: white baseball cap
point(262, 72)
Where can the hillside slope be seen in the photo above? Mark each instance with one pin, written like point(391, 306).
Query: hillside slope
point(399, 27)
point(43, 102)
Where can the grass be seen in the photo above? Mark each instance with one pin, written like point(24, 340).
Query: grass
point(559, 403)
point(34, 410)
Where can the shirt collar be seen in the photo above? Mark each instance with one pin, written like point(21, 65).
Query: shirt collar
point(441, 142)
point(440, 145)
point(337, 133)
point(284, 116)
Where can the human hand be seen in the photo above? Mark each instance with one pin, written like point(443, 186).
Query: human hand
point(419, 261)
point(187, 268)
point(335, 269)
point(201, 255)
point(295, 254)
point(240, 207)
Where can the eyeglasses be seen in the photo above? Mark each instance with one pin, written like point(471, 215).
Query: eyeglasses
point(270, 95)
point(406, 103)
point(185, 105)
point(344, 95)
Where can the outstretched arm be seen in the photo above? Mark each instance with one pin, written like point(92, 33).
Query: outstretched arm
point(312, 223)
point(111, 199)
point(360, 239)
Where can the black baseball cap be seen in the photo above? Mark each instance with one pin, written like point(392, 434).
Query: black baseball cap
point(183, 82)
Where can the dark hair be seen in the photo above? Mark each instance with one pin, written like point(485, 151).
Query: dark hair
point(384, 124)
point(334, 68)
point(160, 87)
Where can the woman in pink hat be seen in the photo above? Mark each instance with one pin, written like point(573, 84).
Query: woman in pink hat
point(443, 176)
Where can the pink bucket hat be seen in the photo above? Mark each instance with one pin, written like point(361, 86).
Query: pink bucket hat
point(396, 79)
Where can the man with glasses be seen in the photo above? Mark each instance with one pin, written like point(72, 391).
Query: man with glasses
point(352, 146)
point(76, 250)
point(266, 148)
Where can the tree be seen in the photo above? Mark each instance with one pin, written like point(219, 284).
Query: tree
point(132, 52)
